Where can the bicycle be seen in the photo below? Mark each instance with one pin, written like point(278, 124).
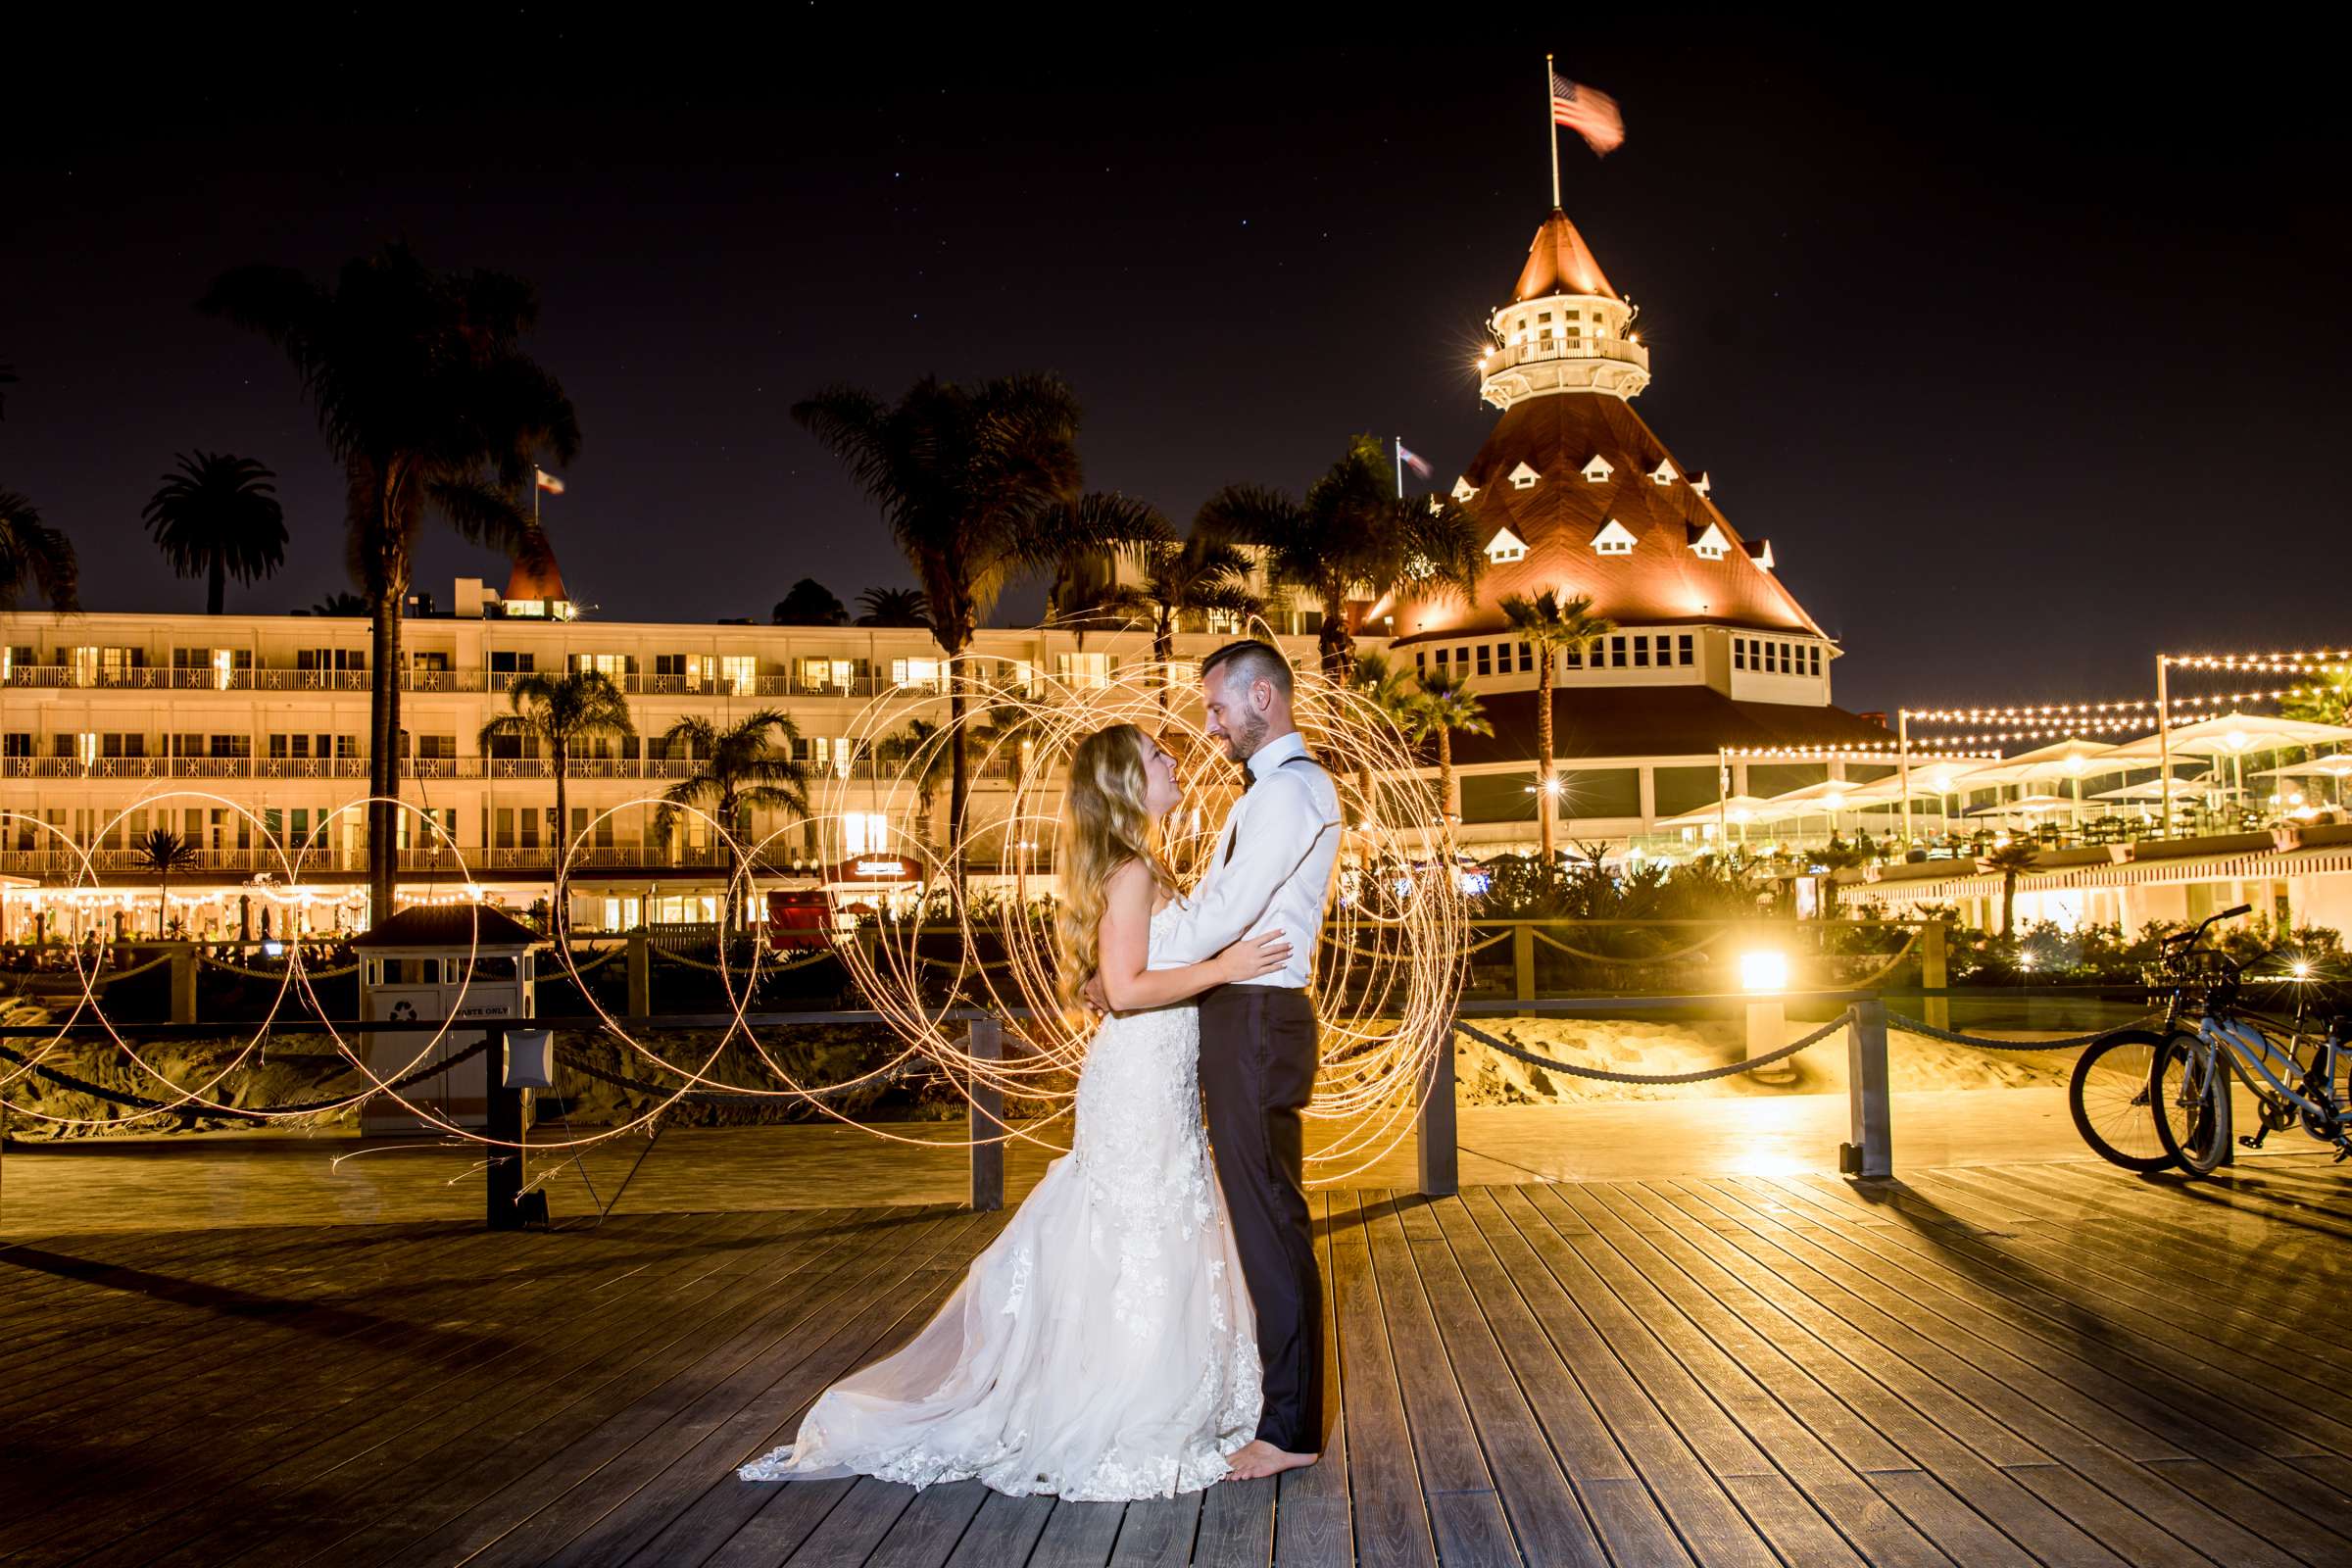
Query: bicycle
point(2108, 1091)
point(2191, 1080)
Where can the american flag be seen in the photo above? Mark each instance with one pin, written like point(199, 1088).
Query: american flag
point(1591, 114)
point(1412, 459)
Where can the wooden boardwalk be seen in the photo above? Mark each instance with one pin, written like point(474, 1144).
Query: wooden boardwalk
point(2032, 1363)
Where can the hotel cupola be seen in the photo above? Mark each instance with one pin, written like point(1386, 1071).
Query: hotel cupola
point(1573, 492)
point(1565, 329)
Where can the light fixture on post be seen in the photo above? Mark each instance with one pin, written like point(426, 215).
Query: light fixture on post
point(1764, 976)
point(530, 1059)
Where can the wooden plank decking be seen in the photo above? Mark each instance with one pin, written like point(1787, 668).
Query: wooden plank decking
point(2036, 1363)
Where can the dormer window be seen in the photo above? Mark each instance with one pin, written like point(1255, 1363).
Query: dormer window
point(1663, 474)
point(1708, 543)
point(1505, 547)
point(1597, 469)
point(1759, 551)
point(1614, 539)
point(1699, 481)
point(1524, 477)
point(1464, 491)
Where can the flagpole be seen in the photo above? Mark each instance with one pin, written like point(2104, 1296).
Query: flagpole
point(1399, 443)
point(1551, 134)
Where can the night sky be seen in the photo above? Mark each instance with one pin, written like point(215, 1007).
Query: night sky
point(2027, 349)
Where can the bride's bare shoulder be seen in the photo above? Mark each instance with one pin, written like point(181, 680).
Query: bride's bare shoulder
point(1136, 884)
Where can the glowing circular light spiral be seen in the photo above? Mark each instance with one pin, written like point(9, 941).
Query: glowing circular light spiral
point(1387, 978)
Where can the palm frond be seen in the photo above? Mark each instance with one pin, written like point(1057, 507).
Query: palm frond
point(31, 553)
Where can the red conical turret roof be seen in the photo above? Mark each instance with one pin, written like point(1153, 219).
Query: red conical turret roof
point(1559, 261)
point(536, 579)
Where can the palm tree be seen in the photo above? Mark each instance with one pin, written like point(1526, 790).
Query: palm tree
point(1550, 623)
point(1197, 575)
point(30, 551)
point(1444, 706)
point(164, 851)
point(924, 752)
point(893, 607)
point(560, 714)
point(745, 767)
point(809, 603)
point(1390, 695)
point(980, 485)
point(1353, 539)
point(34, 555)
point(2012, 860)
point(216, 518)
point(425, 396)
point(340, 602)
point(2329, 702)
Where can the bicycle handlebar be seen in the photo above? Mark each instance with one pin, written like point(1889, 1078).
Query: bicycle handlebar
point(2190, 935)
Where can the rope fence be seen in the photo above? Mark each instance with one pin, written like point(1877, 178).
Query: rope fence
point(2070, 1043)
point(766, 966)
point(1608, 957)
point(124, 1096)
point(263, 974)
point(580, 1063)
point(1750, 1064)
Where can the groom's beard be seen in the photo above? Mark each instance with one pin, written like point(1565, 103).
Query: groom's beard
point(1242, 744)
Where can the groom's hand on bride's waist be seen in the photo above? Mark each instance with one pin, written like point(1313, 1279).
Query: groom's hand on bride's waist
point(1092, 994)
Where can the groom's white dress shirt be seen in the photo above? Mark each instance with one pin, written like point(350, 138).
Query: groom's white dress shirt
point(1270, 869)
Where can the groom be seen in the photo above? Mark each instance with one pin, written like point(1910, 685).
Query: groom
point(1270, 869)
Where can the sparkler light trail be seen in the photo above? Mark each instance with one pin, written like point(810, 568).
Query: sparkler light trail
point(1390, 968)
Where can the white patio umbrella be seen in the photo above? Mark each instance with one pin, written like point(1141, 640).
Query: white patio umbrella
point(2337, 767)
point(1929, 781)
point(2317, 767)
point(2178, 789)
point(2233, 734)
point(2026, 806)
point(2072, 761)
point(1739, 813)
point(1825, 798)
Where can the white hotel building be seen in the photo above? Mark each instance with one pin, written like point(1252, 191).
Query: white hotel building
point(234, 730)
point(112, 725)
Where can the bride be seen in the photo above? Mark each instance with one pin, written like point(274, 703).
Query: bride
point(1102, 1348)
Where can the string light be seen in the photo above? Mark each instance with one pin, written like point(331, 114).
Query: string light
point(2028, 713)
point(2266, 663)
point(1873, 749)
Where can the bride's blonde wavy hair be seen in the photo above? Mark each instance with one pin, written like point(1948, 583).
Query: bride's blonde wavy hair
point(1104, 825)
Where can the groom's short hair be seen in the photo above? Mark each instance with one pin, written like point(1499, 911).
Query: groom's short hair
point(1253, 661)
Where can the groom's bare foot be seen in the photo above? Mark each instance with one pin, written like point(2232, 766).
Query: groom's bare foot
point(1258, 1458)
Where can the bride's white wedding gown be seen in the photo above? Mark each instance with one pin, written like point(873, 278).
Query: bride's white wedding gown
point(1101, 1349)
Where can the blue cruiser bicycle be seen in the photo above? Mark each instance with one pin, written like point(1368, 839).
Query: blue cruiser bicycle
point(2292, 1066)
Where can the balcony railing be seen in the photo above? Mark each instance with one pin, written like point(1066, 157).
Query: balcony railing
point(58, 866)
point(1001, 769)
point(148, 677)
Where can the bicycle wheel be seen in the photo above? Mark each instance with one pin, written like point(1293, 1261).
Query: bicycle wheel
point(2109, 1099)
point(2188, 1087)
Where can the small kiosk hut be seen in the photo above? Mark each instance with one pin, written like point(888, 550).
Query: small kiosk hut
point(454, 961)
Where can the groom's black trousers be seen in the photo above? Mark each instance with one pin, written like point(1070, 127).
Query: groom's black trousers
point(1257, 1069)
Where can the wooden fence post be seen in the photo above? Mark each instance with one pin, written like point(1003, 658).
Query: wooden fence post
point(1434, 1127)
point(184, 982)
point(1934, 973)
point(986, 1042)
point(1523, 960)
point(641, 976)
point(1870, 1154)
